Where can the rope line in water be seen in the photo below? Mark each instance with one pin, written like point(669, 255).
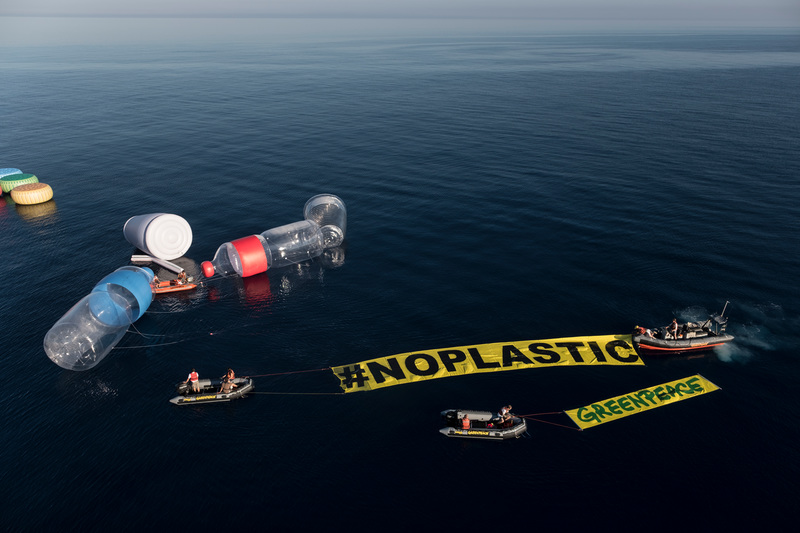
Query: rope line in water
point(530, 417)
point(284, 373)
point(301, 393)
point(145, 345)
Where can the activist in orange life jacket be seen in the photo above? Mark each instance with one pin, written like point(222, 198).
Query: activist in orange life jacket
point(465, 424)
point(194, 377)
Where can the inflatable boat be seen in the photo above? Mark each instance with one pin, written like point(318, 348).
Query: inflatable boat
point(209, 391)
point(483, 425)
point(691, 337)
point(172, 285)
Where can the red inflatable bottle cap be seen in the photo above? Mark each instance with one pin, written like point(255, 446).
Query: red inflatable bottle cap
point(208, 268)
point(252, 255)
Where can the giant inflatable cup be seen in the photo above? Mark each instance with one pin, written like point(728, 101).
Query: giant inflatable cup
point(160, 235)
point(330, 213)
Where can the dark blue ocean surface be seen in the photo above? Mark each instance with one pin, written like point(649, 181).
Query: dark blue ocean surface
point(499, 186)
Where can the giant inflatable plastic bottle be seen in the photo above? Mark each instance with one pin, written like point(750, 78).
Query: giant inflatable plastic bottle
point(285, 245)
point(93, 326)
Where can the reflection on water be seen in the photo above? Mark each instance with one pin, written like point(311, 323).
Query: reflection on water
point(260, 291)
point(44, 213)
point(256, 290)
point(41, 214)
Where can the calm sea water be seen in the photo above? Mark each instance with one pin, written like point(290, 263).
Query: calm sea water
point(500, 185)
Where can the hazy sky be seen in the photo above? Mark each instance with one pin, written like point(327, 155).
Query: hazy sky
point(754, 12)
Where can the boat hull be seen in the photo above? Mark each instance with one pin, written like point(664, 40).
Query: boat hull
point(208, 392)
point(653, 346)
point(485, 425)
point(169, 286)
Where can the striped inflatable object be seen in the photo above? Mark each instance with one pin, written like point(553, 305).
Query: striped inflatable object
point(32, 193)
point(9, 181)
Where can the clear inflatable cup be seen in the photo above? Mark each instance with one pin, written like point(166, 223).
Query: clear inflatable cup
point(330, 213)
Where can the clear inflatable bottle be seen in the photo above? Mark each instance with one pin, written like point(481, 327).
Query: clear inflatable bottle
point(93, 326)
point(324, 227)
point(274, 248)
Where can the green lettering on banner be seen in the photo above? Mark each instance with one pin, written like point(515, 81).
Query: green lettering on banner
point(512, 354)
point(449, 357)
point(598, 409)
point(663, 396)
point(637, 401)
point(611, 405)
point(625, 403)
point(648, 395)
point(572, 347)
point(645, 399)
point(478, 360)
point(393, 370)
point(411, 364)
point(694, 385)
point(539, 348)
point(586, 415)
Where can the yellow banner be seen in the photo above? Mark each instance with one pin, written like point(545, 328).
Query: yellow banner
point(457, 361)
point(643, 400)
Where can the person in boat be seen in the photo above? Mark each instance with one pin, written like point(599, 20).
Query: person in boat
point(504, 416)
point(227, 386)
point(181, 278)
point(672, 329)
point(465, 423)
point(230, 375)
point(194, 377)
point(643, 331)
point(156, 281)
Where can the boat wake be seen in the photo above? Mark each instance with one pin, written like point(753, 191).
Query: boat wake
point(759, 328)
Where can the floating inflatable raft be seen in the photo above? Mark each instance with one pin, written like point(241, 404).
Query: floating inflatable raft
point(10, 181)
point(32, 193)
point(209, 391)
point(483, 425)
point(172, 285)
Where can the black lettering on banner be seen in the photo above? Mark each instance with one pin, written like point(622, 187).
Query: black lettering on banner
point(393, 370)
point(511, 354)
point(611, 349)
point(601, 357)
point(411, 364)
point(539, 348)
point(356, 374)
point(449, 357)
point(573, 350)
point(478, 359)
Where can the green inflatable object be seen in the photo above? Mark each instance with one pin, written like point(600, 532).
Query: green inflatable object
point(15, 180)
